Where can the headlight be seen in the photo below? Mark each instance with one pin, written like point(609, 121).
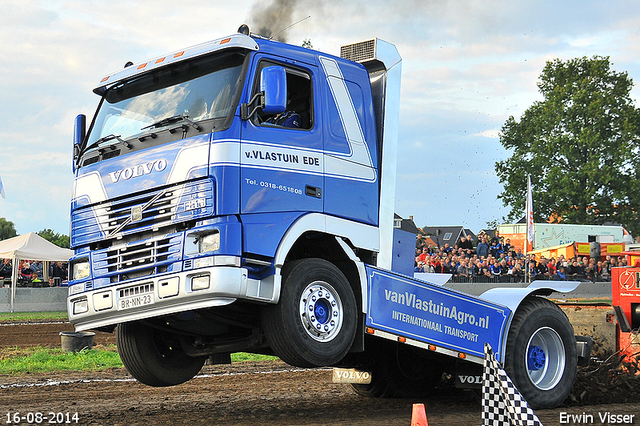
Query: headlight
point(209, 242)
point(200, 283)
point(80, 270)
point(80, 306)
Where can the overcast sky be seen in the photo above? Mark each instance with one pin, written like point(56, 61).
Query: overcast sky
point(467, 66)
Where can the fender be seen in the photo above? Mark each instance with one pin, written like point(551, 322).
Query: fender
point(360, 235)
point(364, 236)
point(513, 297)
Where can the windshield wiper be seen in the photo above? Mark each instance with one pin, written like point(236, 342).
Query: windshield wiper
point(111, 137)
point(173, 120)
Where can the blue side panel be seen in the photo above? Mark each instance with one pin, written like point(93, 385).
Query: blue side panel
point(404, 252)
point(278, 191)
point(263, 232)
point(360, 95)
point(352, 199)
point(227, 196)
point(351, 182)
point(433, 314)
point(224, 168)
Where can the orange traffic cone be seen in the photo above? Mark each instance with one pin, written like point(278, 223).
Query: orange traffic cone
point(419, 416)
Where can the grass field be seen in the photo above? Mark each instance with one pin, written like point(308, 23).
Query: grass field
point(18, 360)
point(39, 359)
point(33, 316)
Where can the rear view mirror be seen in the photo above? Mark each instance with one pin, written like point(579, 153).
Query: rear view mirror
point(79, 132)
point(273, 84)
point(79, 129)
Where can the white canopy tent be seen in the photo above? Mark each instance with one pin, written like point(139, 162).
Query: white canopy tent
point(30, 246)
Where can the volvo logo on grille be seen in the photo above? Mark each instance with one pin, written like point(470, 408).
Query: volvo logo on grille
point(136, 213)
point(138, 170)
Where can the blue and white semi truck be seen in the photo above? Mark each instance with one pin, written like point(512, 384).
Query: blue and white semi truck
point(201, 228)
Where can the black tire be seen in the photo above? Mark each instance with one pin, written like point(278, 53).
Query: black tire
point(541, 357)
point(154, 357)
point(400, 371)
point(314, 323)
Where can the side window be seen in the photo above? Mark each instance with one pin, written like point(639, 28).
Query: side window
point(299, 112)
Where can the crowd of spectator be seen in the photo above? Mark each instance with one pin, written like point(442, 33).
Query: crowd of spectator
point(31, 274)
point(496, 260)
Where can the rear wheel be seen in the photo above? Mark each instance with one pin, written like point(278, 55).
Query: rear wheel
point(314, 323)
point(541, 356)
point(155, 357)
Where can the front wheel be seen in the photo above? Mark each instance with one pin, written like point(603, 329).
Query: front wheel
point(155, 357)
point(314, 324)
point(541, 356)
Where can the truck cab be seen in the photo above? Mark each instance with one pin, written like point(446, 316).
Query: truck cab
point(192, 200)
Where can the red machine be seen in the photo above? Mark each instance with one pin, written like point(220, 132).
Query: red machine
point(625, 295)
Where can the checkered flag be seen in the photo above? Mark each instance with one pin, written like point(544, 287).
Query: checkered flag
point(502, 404)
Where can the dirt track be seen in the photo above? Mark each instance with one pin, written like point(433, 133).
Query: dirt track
point(268, 393)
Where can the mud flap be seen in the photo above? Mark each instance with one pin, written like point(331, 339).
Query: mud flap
point(584, 345)
point(468, 375)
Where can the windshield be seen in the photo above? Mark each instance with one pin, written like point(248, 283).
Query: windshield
point(196, 90)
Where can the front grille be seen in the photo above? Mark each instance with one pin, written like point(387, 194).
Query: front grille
point(139, 213)
point(135, 260)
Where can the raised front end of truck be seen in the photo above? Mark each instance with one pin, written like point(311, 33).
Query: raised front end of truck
point(204, 224)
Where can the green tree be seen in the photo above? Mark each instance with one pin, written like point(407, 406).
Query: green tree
point(7, 229)
point(580, 145)
point(60, 240)
point(306, 43)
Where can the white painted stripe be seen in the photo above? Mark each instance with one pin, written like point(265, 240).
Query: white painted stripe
point(187, 159)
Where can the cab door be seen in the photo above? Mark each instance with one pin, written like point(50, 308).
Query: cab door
point(281, 163)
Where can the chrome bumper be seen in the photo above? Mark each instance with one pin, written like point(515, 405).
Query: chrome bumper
point(155, 296)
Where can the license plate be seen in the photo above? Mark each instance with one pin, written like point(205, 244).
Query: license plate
point(135, 301)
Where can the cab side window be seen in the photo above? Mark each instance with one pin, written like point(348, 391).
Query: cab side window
point(299, 112)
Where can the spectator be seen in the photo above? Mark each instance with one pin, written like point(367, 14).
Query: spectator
point(483, 248)
point(35, 279)
point(551, 265)
point(508, 248)
point(6, 269)
point(575, 270)
point(560, 275)
point(517, 272)
point(25, 269)
point(496, 270)
point(418, 265)
point(495, 249)
point(36, 266)
point(463, 270)
point(59, 270)
point(598, 270)
point(590, 272)
point(424, 255)
point(427, 267)
point(542, 272)
point(466, 244)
